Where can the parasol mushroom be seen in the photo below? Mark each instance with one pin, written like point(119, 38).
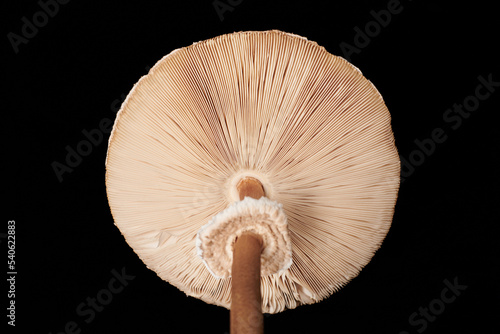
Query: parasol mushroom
point(254, 168)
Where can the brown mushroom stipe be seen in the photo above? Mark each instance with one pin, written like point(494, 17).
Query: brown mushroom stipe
point(266, 105)
point(246, 301)
point(246, 311)
point(250, 187)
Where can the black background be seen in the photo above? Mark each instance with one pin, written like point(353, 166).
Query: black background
point(66, 78)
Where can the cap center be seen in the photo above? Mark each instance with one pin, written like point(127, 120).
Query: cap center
point(251, 187)
point(248, 183)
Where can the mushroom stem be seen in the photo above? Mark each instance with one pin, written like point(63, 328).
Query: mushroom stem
point(246, 301)
point(251, 187)
point(246, 309)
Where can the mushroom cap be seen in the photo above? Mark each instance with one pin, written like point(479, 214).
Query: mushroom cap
point(264, 104)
